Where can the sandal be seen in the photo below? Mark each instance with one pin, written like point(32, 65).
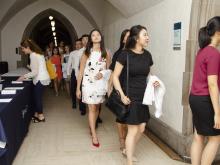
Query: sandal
point(134, 159)
point(122, 143)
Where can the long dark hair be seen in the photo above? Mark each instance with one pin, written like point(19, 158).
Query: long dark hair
point(90, 44)
point(122, 44)
point(32, 45)
point(134, 34)
point(58, 52)
point(205, 33)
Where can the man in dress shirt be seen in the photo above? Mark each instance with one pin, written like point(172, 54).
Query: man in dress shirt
point(73, 70)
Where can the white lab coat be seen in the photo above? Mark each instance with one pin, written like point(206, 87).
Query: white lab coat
point(154, 94)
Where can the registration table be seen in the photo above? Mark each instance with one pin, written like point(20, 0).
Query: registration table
point(14, 74)
point(15, 116)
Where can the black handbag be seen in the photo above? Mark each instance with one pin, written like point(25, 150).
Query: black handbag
point(114, 103)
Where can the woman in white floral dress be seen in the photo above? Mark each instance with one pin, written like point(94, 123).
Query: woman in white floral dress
point(94, 75)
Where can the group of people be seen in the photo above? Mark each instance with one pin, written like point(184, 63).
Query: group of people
point(56, 61)
point(94, 74)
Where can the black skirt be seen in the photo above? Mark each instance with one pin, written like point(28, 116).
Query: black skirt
point(120, 121)
point(138, 113)
point(203, 115)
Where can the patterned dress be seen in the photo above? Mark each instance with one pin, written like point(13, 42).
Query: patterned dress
point(94, 91)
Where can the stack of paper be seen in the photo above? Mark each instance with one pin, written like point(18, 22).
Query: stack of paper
point(17, 82)
point(5, 100)
point(14, 88)
point(2, 144)
point(8, 92)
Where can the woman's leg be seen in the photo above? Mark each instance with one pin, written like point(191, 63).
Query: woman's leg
point(55, 82)
point(59, 84)
point(67, 87)
point(210, 150)
point(141, 129)
point(38, 92)
point(98, 120)
point(197, 148)
point(122, 132)
point(97, 110)
point(131, 142)
point(93, 113)
point(35, 96)
point(140, 132)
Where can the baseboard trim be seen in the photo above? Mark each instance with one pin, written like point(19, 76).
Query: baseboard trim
point(169, 151)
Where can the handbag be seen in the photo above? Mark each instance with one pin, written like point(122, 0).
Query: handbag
point(114, 103)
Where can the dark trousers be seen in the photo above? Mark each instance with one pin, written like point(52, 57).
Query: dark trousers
point(82, 106)
point(38, 94)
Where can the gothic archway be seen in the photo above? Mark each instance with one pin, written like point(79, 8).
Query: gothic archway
point(44, 15)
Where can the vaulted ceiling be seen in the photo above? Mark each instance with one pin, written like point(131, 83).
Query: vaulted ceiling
point(11, 7)
point(127, 8)
point(131, 7)
point(92, 10)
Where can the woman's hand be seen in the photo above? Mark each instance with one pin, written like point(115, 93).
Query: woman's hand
point(21, 78)
point(78, 94)
point(125, 100)
point(217, 121)
point(98, 76)
point(156, 84)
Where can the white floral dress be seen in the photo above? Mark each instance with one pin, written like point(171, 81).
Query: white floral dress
point(94, 91)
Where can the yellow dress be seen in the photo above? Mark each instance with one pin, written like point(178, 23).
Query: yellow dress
point(51, 70)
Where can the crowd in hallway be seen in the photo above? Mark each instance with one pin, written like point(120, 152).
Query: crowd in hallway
point(87, 76)
point(90, 75)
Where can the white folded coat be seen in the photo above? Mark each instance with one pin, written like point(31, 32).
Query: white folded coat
point(154, 94)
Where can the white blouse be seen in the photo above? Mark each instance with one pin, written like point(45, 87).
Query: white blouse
point(38, 69)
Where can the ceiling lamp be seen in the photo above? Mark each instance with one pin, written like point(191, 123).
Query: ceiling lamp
point(50, 17)
point(54, 34)
point(56, 43)
point(55, 38)
point(53, 28)
point(53, 23)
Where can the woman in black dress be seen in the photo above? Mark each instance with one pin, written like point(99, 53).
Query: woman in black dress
point(140, 61)
point(122, 127)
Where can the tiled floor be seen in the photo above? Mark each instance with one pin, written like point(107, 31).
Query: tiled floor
point(64, 140)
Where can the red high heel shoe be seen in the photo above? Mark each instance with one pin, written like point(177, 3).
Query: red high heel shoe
point(95, 144)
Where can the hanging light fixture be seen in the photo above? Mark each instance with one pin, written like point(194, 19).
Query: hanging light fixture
point(55, 38)
point(52, 23)
point(53, 28)
point(55, 43)
point(54, 34)
point(50, 17)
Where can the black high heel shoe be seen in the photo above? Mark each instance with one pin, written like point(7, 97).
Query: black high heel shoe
point(34, 118)
point(37, 120)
